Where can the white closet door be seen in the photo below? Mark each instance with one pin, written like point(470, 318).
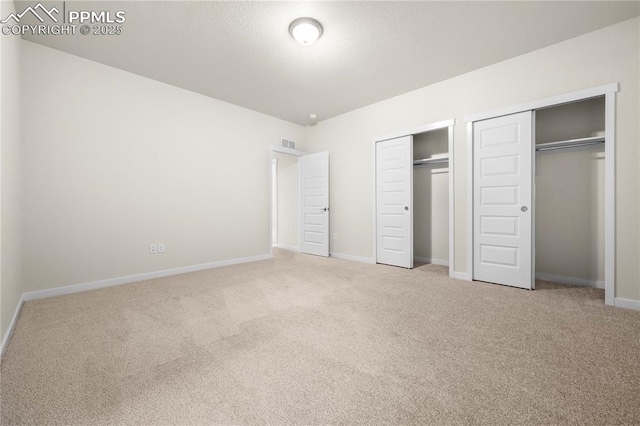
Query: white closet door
point(314, 203)
point(394, 202)
point(502, 200)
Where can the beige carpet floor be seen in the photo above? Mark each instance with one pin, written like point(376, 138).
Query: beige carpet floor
point(307, 340)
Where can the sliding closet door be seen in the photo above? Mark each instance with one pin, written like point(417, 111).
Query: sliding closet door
point(394, 202)
point(503, 200)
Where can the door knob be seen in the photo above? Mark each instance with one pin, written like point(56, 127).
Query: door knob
point(406, 208)
point(524, 208)
point(324, 209)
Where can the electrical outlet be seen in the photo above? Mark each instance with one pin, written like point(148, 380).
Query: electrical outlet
point(160, 247)
point(335, 235)
point(153, 248)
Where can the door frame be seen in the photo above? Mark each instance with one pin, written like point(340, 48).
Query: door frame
point(609, 92)
point(444, 124)
point(280, 150)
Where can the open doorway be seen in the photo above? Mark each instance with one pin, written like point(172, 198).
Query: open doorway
point(431, 197)
point(299, 201)
point(569, 185)
point(284, 201)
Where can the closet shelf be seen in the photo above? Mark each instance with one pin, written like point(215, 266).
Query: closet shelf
point(431, 160)
point(571, 143)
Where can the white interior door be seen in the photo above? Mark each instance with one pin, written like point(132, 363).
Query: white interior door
point(394, 202)
point(503, 200)
point(314, 203)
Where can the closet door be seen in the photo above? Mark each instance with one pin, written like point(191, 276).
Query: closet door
point(503, 200)
point(394, 202)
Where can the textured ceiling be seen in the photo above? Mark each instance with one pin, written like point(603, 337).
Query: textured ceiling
point(241, 52)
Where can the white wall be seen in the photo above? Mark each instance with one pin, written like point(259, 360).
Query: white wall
point(288, 220)
point(602, 57)
point(431, 198)
point(10, 176)
point(115, 161)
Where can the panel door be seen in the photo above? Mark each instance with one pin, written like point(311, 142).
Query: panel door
point(503, 200)
point(394, 202)
point(314, 203)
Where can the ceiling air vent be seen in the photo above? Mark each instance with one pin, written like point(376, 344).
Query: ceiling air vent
point(288, 143)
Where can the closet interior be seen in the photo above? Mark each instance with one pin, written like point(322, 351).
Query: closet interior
point(569, 193)
point(431, 197)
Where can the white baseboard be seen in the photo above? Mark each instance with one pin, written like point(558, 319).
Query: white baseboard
point(60, 291)
point(286, 247)
point(12, 326)
point(353, 258)
point(560, 279)
point(619, 302)
point(461, 276)
point(431, 260)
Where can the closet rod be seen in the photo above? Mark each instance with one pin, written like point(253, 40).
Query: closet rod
point(572, 143)
point(425, 161)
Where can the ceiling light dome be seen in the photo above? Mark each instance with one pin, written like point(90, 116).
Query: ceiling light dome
point(305, 30)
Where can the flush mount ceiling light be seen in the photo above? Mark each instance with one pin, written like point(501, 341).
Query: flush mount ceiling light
point(305, 30)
